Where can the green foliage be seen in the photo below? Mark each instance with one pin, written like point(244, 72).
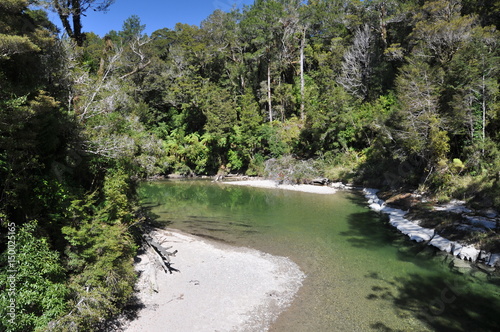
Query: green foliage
point(118, 192)
point(132, 28)
point(219, 109)
point(33, 280)
point(187, 153)
point(256, 165)
point(238, 154)
point(10, 45)
point(271, 135)
point(32, 137)
point(341, 166)
point(457, 165)
point(99, 256)
point(27, 44)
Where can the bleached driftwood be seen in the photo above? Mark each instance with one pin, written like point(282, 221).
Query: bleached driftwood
point(163, 254)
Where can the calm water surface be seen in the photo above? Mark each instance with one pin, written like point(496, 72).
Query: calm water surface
point(362, 275)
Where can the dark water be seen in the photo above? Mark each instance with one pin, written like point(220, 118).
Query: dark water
point(362, 275)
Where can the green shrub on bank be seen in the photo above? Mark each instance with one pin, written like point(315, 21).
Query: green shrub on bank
point(100, 254)
point(32, 279)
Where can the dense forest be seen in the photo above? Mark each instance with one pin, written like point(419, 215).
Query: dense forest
point(388, 93)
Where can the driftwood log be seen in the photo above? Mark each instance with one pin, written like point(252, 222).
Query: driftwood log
point(164, 255)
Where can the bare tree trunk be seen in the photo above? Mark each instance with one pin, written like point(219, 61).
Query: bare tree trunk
point(64, 19)
point(242, 83)
point(269, 101)
point(302, 83)
point(383, 25)
point(77, 22)
point(483, 106)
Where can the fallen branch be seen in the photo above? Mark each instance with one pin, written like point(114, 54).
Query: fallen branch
point(164, 255)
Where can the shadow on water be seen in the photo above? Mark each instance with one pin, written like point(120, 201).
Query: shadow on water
point(210, 237)
point(445, 303)
point(367, 231)
point(443, 299)
point(150, 218)
point(383, 328)
point(371, 230)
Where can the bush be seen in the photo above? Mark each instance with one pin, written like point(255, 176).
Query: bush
point(341, 166)
point(290, 170)
point(38, 284)
point(256, 165)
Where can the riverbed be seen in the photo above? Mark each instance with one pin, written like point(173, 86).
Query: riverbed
point(362, 275)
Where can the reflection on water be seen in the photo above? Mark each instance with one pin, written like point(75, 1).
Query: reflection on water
point(362, 275)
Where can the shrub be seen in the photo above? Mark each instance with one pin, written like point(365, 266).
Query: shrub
point(290, 170)
point(38, 284)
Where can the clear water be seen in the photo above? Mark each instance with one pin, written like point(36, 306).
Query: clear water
point(362, 275)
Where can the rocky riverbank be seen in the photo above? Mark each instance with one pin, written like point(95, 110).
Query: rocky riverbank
point(450, 227)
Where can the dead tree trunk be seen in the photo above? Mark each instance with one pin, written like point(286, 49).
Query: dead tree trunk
point(269, 97)
point(302, 82)
point(162, 252)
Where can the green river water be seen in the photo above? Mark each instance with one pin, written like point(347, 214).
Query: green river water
point(362, 275)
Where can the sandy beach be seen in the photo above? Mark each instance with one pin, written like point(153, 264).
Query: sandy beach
point(219, 287)
point(274, 185)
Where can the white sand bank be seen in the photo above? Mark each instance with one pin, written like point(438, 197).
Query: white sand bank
point(219, 288)
point(273, 184)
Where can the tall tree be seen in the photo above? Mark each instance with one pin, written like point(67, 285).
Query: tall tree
point(421, 130)
point(263, 31)
point(441, 29)
point(71, 11)
point(357, 64)
point(132, 28)
point(473, 72)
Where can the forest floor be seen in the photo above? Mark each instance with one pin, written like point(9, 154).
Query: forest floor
point(218, 287)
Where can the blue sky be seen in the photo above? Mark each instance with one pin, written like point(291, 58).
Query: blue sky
point(155, 14)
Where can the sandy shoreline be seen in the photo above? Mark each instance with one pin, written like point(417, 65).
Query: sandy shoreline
point(274, 185)
point(219, 287)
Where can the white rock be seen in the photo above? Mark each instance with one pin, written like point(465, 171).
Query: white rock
point(469, 253)
point(483, 221)
point(494, 260)
point(420, 234)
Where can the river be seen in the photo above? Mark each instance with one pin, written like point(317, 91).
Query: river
point(362, 275)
